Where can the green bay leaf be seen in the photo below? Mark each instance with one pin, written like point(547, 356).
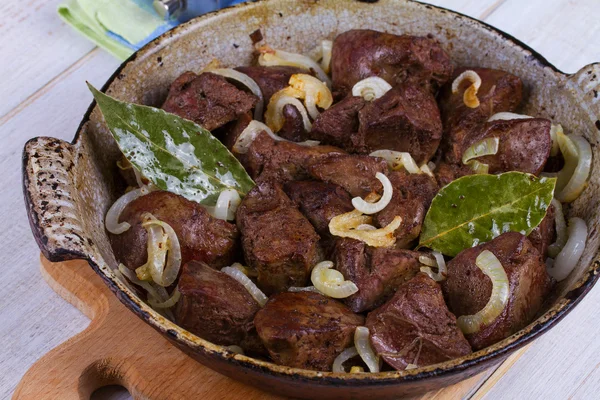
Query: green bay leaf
point(174, 153)
point(476, 208)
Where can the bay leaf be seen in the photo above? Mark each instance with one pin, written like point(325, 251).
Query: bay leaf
point(477, 208)
point(174, 153)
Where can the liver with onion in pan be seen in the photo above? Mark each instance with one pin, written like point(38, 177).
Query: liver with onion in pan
point(337, 250)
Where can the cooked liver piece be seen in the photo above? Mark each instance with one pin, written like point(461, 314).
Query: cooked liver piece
point(499, 92)
point(355, 173)
point(268, 159)
point(543, 234)
point(377, 272)
point(339, 125)
point(415, 327)
point(278, 241)
point(201, 237)
point(412, 197)
point(293, 127)
point(529, 285)
point(207, 99)
point(217, 308)
point(405, 119)
point(359, 54)
point(446, 173)
point(319, 202)
point(231, 131)
point(306, 330)
point(271, 79)
point(524, 144)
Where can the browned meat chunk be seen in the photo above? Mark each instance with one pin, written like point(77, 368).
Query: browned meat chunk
point(406, 119)
point(415, 327)
point(499, 92)
point(268, 159)
point(359, 54)
point(306, 330)
point(524, 144)
point(528, 285)
point(446, 173)
point(278, 241)
point(207, 99)
point(339, 125)
point(216, 307)
point(412, 197)
point(354, 173)
point(293, 127)
point(230, 132)
point(319, 202)
point(271, 79)
point(543, 234)
point(377, 272)
point(201, 237)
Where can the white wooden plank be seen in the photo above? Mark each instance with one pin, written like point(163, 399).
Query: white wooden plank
point(35, 46)
point(33, 318)
point(565, 32)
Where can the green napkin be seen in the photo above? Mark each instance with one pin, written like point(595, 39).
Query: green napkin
point(96, 18)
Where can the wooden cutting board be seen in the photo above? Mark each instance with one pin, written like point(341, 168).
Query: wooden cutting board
point(119, 348)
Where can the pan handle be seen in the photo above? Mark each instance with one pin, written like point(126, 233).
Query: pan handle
point(51, 198)
point(585, 87)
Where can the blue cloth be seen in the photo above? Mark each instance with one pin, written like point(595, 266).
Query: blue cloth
point(147, 6)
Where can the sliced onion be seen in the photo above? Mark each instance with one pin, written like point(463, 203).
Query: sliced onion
point(572, 179)
point(507, 116)
point(271, 57)
point(373, 208)
point(227, 204)
point(170, 302)
point(485, 147)
point(338, 363)
point(410, 366)
point(114, 213)
point(489, 265)
point(561, 230)
point(567, 259)
point(555, 130)
point(397, 160)
point(479, 167)
point(163, 277)
point(470, 96)
point(362, 342)
point(245, 139)
point(274, 115)
point(345, 225)
point(254, 291)
point(297, 289)
point(331, 282)
point(440, 263)
point(426, 169)
point(157, 251)
point(246, 81)
point(327, 46)
point(371, 88)
point(314, 92)
point(366, 227)
point(235, 349)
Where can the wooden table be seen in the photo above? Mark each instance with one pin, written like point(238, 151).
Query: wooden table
point(44, 66)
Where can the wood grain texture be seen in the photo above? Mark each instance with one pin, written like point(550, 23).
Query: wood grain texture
point(36, 46)
point(118, 348)
point(33, 319)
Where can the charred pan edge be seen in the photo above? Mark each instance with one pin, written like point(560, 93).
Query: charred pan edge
point(186, 340)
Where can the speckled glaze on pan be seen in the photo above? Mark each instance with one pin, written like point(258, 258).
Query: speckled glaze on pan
point(68, 187)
